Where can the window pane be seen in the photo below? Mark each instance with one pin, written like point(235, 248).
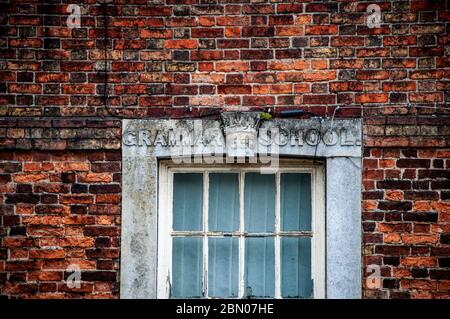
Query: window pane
point(187, 201)
point(259, 202)
point(187, 267)
point(223, 202)
point(295, 201)
point(259, 267)
point(296, 279)
point(223, 267)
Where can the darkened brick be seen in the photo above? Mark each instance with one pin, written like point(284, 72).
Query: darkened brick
point(369, 226)
point(22, 198)
point(395, 205)
point(24, 188)
point(3, 253)
point(104, 188)
point(390, 283)
point(434, 173)
point(102, 242)
point(78, 209)
point(413, 163)
point(105, 167)
point(98, 276)
point(5, 178)
point(440, 184)
point(67, 177)
point(419, 273)
point(79, 188)
point(394, 184)
point(49, 198)
point(300, 42)
point(391, 261)
point(394, 250)
point(18, 231)
point(444, 262)
point(10, 167)
point(400, 295)
point(422, 195)
point(440, 274)
point(421, 217)
point(373, 195)
point(445, 239)
point(100, 231)
point(440, 251)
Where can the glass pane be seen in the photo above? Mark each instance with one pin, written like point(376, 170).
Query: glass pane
point(187, 267)
point(295, 201)
point(223, 202)
point(259, 202)
point(187, 201)
point(259, 267)
point(223, 267)
point(296, 279)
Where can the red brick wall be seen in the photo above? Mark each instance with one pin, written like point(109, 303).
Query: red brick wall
point(60, 206)
point(224, 54)
point(406, 206)
point(170, 58)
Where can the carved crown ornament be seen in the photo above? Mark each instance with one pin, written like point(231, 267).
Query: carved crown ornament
point(240, 121)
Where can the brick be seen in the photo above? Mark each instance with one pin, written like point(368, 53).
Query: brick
point(22, 198)
point(440, 274)
point(393, 250)
point(234, 89)
point(394, 205)
point(104, 188)
point(289, 8)
point(421, 216)
point(180, 44)
point(207, 32)
point(84, 242)
point(102, 253)
point(100, 231)
point(256, 54)
point(22, 265)
point(319, 76)
point(232, 66)
point(371, 98)
point(394, 184)
point(206, 55)
point(25, 88)
point(78, 89)
point(321, 30)
point(47, 254)
point(99, 276)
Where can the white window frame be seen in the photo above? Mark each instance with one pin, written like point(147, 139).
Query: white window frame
point(165, 186)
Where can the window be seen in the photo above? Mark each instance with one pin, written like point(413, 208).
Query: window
point(232, 232)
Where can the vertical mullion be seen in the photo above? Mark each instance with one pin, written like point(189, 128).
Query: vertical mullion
point(241, 237)
point(205, 230)
point(277, 237)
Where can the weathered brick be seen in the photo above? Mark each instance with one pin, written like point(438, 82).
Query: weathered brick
point(421, 216)
point(163, 58)
point(394, 205)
